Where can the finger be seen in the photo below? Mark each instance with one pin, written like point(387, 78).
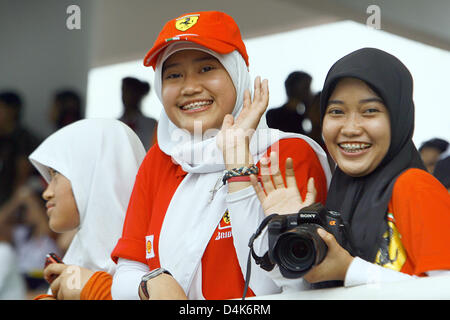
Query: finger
point(247, 98)
point(257, 91)
point(265, 175)
point(54, 287)
point(291, 181)
point(54, 269)
point(275, 171)
point(257, 187)
point(265, 94)
point(311, 192)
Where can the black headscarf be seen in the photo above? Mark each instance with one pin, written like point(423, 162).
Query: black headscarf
point(363, 201)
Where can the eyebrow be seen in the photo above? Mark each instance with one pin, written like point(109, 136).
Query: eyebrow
point(374, 99)
point(205, 58)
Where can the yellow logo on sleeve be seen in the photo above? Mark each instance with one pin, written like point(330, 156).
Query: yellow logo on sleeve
point(392, 254)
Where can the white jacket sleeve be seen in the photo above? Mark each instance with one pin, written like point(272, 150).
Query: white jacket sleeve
point(126, 279)
point(361, 272)
point(246, 214)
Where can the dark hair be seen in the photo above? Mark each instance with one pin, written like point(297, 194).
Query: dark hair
point(294, 78)
point(141, 87)
point(436, 143)
point(442, 171)
point(12, 100)
point(70, 107)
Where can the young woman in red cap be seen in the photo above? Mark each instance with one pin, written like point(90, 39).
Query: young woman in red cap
point(192, 209)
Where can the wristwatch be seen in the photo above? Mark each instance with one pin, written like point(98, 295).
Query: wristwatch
point(150, 275)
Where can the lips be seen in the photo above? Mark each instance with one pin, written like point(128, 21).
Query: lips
point(197, 105)
point(354, 147)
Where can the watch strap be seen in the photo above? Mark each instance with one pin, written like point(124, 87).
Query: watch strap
point(150, 275)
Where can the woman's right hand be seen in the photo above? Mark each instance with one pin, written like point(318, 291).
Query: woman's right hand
point(276, 197)
point(234, 136)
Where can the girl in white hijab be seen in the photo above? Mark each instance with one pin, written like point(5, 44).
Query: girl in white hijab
point(90, 166)
point(177, 208)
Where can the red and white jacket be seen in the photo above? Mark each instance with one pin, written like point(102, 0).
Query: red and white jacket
point(219, 275)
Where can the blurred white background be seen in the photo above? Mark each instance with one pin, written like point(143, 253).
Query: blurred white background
point(313, 50)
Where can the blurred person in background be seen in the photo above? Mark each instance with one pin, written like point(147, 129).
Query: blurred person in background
point(292, 116)
point(442, 171)
point(431, 151)
point(66, 108)
point(12, 284)
point(133, 92)
point(16, 143)
point(24, 225)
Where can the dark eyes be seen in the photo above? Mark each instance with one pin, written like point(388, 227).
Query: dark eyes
point(175, 75)
point(207, 68)
point(172, 76)
point(366, 111)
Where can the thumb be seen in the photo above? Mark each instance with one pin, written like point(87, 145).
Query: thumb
point(326, 236)
point(228, 121)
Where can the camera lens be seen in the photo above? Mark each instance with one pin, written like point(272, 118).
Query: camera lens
point(296, 253)
point(299, 249)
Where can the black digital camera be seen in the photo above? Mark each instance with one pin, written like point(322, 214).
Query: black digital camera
point(294, 244)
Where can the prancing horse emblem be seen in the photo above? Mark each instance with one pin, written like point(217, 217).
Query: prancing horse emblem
point(185, 23)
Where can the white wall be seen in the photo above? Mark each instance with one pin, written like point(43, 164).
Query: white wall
point(39, 55)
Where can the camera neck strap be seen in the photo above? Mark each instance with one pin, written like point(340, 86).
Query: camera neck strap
point(264, 261)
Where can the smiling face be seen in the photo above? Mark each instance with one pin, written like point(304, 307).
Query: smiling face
point(356, 127)
point(196, 87)
point(61, 206)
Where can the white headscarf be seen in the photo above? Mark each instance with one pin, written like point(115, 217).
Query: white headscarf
point(193, 214)
point(101, 158)
point(178, 143)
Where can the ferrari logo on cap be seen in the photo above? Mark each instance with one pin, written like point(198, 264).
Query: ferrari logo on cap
point(186, 22)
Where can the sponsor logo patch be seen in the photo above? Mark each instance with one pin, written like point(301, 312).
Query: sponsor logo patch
point(149, 252)
point(224, 227)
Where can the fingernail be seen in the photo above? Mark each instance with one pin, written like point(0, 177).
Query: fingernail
point(321, 232)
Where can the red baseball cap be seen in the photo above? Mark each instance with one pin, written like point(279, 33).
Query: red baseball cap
point(214, 30)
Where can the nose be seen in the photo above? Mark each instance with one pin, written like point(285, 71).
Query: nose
point(48, 193)
point(191, 85)
point(352, 126)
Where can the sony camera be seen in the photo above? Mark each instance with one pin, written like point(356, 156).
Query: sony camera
point(294, 244)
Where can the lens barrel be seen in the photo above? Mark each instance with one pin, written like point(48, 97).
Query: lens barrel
point(299, 249)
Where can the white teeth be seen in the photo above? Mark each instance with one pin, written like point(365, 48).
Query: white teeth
point(195, 105)
point(354, 147)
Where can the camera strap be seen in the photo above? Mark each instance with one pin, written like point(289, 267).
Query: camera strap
point(264, 261)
